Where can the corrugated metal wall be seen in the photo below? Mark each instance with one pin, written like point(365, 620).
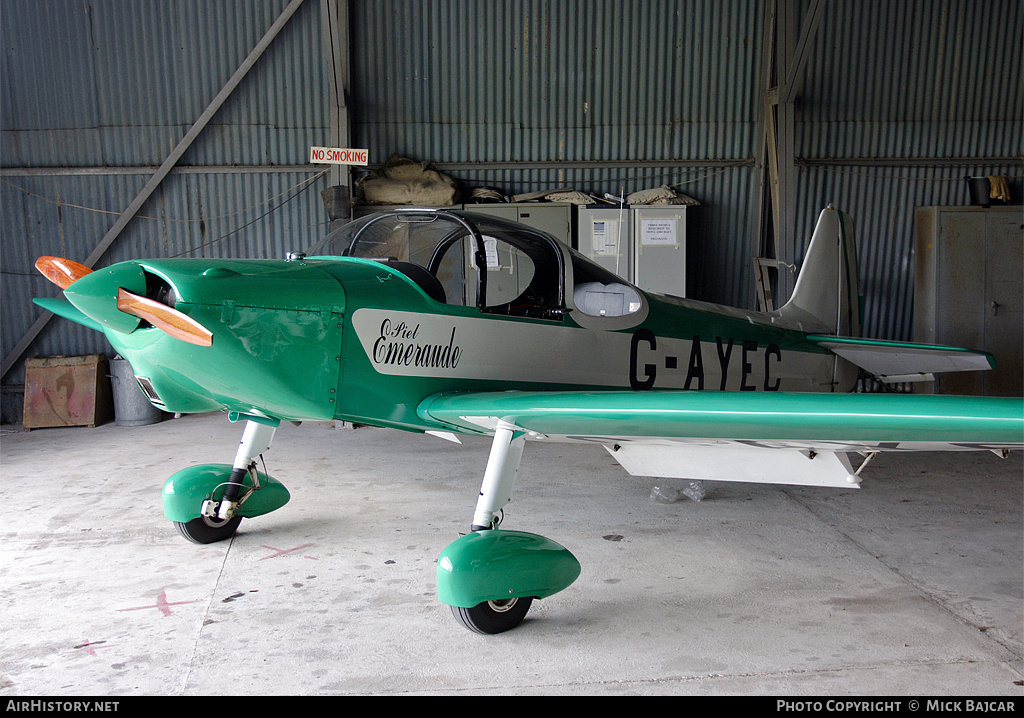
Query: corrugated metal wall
point(603, 96)
point(112, 87)
point(578, 81)
point(540, 80)
point(914, 83)
point(595, 83)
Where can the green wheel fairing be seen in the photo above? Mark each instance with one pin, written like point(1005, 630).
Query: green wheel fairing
point(185, 491)
point(497, 565)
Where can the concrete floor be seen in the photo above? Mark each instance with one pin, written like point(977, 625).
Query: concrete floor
point(911, 586)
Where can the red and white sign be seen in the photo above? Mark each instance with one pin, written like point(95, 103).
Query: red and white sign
point(338, 156)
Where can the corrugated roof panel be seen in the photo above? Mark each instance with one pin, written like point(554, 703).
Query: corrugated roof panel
point(118, 84)
point(535, 81)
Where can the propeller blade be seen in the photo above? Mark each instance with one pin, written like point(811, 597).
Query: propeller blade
point(164, 318)
point(60, 271)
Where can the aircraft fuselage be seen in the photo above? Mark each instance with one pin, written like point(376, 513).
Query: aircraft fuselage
point(352, 339)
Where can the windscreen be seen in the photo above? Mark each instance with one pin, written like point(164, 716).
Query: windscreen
point(404, 236)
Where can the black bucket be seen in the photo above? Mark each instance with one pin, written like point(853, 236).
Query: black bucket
point(980, 191)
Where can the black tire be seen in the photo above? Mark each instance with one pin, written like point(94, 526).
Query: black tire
point(207, 530)
point(493, 617)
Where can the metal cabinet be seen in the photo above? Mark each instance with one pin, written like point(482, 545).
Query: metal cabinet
point(645, 245)
point(555, 218)
point(659, 249)
point(605, 235)
point(968, 289)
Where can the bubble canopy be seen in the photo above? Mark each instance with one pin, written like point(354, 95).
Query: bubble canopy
point(472, 259)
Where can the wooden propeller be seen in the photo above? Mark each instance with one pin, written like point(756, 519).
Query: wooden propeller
point(165, 318)
point(60, 271)
point(64, 273)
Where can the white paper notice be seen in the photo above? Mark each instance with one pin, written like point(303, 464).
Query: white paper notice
point(658, 231)
point(605, 236)
point(491, 248)
point(491, 252)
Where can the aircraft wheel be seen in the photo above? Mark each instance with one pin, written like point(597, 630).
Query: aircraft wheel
point(208, 530)
point(493, 616)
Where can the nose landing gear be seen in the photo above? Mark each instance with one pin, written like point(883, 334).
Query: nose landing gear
point(207, 502)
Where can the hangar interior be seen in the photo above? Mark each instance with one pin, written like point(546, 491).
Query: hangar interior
point(167, 129)
point(184, 129)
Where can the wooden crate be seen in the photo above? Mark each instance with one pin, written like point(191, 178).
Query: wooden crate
point(67, 391)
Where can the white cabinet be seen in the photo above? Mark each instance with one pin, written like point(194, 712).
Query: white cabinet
point(659, 249)
point(645, 245)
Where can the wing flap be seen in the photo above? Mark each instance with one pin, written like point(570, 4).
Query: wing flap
point(737, 462)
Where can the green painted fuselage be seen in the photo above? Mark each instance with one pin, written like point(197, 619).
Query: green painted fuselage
point(353, 339)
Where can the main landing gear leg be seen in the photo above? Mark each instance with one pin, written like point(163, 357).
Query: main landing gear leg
point(495, 492)
point(490, 577)
point(499, 477)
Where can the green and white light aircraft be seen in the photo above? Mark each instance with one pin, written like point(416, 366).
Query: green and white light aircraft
point(452, 322)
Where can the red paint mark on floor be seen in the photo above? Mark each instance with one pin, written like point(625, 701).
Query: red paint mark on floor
point(282, 552)
point(162, 604)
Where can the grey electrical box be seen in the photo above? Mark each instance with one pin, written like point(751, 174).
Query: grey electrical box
point(659, 248)
point(605, 235)
point(555, 218)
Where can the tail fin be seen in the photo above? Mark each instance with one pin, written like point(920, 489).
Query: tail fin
point(826, 296)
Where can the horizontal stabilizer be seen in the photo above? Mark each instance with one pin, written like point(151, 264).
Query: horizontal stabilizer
point(902, 361)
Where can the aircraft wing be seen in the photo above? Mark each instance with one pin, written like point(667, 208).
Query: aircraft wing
point(741, 436)
point(902, 361)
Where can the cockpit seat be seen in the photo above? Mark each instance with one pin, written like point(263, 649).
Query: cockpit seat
point(606, 300)
point(423, 279)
